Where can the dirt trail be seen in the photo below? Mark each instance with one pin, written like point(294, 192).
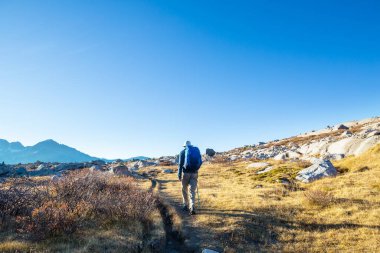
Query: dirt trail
point(174, 239)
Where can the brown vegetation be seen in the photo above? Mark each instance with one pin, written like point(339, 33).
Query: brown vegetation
point(82, 201)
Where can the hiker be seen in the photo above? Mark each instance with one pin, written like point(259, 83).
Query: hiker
point(190, 160)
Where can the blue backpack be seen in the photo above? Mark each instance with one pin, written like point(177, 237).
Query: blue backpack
point(193, 159)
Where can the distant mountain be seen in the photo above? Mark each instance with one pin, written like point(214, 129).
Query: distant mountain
point(45, 151)
point(141, 158)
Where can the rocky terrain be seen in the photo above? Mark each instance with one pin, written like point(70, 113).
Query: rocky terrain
point(316, 147)
point(56, 169)
point(333, 142)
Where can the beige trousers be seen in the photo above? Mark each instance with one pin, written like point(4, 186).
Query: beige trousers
point(189, 179)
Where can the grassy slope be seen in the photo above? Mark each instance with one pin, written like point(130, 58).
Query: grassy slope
point(248, 212)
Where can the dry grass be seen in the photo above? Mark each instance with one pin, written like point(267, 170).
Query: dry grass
point(249, 213)
point(81, 212)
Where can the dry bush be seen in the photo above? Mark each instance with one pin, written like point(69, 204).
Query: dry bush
point(319, 198)
point(76, 200)
point(219, 159)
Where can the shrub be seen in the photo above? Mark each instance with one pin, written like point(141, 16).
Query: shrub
point(46, 209)
point(319, 198)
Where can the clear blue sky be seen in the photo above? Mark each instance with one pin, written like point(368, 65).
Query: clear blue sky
point(125, 78)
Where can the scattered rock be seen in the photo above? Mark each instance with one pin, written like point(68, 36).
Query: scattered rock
point(341, 127)
point(258, 165)
point(167, 171)
point(4, 169)
point(96, 167)
point(21, 171)
point(373, 133)
point(284, 181)
point(280, 157)
point(267, 169)
point(120, 170)
point(233, 157)
point(209, 251)
point(320, 169)
point(56, 178)
point(210, 152)
point(334, 156)
point(42, 172)
point(41, 167)
point(346, 134)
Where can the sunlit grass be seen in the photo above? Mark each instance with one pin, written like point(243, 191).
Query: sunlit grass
point(249, 212)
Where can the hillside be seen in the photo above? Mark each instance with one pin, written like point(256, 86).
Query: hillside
point(333, 142)
point(242, 211)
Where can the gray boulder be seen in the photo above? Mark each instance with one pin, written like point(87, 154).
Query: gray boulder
point(96, 167)
point(70, 166)
point(168, 171)
point(209, 251)
point(320, 169)
point(120, 170)
point(341, 127)
point(5, 169)
point(42, 172)
point(210, 152)
point(21, 171)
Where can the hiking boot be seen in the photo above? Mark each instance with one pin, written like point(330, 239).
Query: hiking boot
point(192, 212)
point(185, 208)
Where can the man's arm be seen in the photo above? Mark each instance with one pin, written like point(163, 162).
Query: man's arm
point(180, 165)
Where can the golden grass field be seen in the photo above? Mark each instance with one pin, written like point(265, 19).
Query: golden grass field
point(244, 212)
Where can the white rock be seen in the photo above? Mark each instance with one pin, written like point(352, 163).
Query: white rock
point(267, 169)
point(323, 168)
point(365, 144)
point(342, 146)
point(209, 251)
point(258, 165)
point(233, 157)
point(373, 133)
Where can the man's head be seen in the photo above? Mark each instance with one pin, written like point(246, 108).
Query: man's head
point(187, 143)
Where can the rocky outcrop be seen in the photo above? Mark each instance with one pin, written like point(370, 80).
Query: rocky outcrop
point(320, 169)
point(332, 143)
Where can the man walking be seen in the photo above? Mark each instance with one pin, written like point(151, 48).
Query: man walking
point(190, 160)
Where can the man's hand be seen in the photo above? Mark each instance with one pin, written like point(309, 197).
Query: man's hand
point(179, 177)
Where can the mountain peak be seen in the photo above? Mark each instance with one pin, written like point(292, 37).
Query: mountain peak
point(48, 142)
